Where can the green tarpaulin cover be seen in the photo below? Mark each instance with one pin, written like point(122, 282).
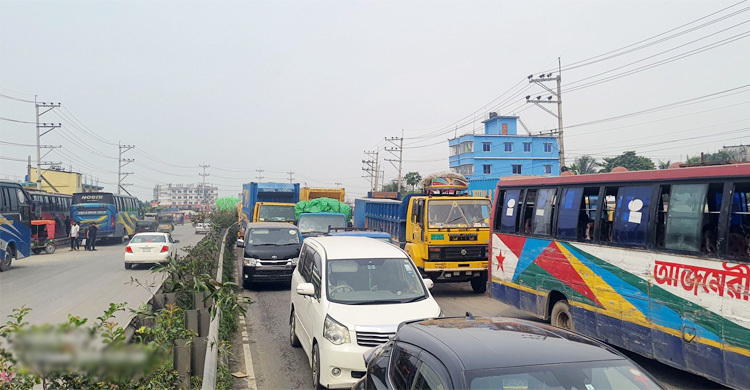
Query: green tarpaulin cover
point(226, 203)
point(322, 205)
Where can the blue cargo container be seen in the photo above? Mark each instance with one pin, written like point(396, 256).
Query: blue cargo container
point(266, 192)
point(383, 214)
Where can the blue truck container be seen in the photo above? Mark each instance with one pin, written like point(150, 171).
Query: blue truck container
point(383, 214)
point(266, 192)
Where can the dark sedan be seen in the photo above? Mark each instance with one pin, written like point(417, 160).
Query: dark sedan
point(497, 353)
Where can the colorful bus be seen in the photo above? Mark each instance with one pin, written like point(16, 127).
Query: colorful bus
point(54, 207)
point(114, 214)
point(15, 223)
point(656, 262)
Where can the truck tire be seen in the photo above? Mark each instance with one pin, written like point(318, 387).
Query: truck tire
point(561, 316)
point(7, 259)
point(479, 283)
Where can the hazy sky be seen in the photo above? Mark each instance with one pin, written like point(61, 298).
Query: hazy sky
point(309, 86)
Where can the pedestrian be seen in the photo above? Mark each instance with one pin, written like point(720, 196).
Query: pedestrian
point(66, 223)
point(85, 235)
point(74, 229)
point(92, 236)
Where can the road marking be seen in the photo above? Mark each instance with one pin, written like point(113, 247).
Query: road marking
point(248, 358)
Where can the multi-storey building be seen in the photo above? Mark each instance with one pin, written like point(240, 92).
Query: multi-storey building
point(184, 197)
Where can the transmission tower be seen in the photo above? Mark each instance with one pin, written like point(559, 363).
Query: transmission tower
point(121, 163)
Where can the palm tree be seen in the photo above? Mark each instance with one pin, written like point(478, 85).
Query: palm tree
point(585, 165)
point(664, 164)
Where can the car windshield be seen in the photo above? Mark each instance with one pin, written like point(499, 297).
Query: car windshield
point(269, 213)
point(373, 281)
point(278, 236)
point(458, 213)
point(320, 223)
point(613, 374)
point(147, 238)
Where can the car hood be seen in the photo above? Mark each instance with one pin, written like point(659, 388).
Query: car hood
point(266, 252)
point(385, 316)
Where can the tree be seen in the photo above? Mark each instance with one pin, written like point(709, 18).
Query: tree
point(585, 165)
point(664, 164)
point(629, 160)
point(720, 156)
point(412, 179)
point(391, 187)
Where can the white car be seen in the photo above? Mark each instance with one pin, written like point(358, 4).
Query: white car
point(202, 227)
point(150, 248)
point(348, 295)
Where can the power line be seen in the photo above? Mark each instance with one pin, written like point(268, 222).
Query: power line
point(17, 121)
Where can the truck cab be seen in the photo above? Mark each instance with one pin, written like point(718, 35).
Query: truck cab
point(273, 212)
point(318, 224)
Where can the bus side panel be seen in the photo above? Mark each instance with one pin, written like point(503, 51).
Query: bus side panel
point(14, 232)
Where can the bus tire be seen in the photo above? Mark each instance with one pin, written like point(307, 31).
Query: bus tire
point(7, 259)
point(479, 283)
point(50, 248)
point(561, 316)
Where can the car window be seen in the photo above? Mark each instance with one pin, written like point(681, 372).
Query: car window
point(373, 281)
point(431, 375)
point(315, 274)
point(403, 366)
point(302, 267)
point(147, 238)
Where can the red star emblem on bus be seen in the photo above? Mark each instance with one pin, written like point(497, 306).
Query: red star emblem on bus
point(500, 260)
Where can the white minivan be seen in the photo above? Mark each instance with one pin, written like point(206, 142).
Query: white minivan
point(348, 295)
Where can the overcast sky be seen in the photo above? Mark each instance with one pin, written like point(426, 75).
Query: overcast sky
point(307, 87)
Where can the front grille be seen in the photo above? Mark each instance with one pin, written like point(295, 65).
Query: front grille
point(474, 252)
point(274, 262)
point(372, 339)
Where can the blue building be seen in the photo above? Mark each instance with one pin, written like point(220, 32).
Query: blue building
point(500, 151)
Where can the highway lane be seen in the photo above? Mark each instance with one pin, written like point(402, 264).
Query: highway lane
point(80, 283)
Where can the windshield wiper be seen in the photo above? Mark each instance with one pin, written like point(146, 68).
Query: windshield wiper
point(414, 299)
point(376, 302)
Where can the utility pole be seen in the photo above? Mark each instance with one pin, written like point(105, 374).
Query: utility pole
point(396, 148)
point(558, 95)
point(260, 174)
point(204, 174)
point(290, 173)
point(51, 126)
point(337, 184)
point(121, 163)
point(371, 168)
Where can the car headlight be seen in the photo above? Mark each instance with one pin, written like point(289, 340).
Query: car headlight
point(336, 333)
point(249, 261)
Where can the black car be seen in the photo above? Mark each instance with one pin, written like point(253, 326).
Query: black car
point(497, 353)
point(271, 251)
point(145, 226)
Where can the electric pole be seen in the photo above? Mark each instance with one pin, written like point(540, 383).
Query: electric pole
point(542, 79)
point(204, 174)
point(371, 168)
point(290, 173)
point(121, 163)
point(396, 148)
point(260, 174)
point(51, 126)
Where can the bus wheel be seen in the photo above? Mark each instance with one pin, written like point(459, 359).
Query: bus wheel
point(479, 283)
point(561, 316)
point(50, 248)
point(7, 259)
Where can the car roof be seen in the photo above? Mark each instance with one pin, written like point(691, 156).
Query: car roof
point(323, 213)
point(150, 234)
point(271, 225)
point(484, 342)
point(360, 233)
point(348, 247)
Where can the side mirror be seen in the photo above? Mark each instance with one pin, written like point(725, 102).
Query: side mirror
point(428, 283)
point(306, 289)
point(240, 243)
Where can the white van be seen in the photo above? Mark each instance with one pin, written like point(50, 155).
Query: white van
point(348, 295)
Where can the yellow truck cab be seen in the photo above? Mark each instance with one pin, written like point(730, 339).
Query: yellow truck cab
point(273, 212)
point(445, 231)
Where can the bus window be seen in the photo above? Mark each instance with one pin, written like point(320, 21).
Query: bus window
point(739, 223)
point(693, 217)
point(543, 212)
point(607, 217)
point(510, 210)
point(631, 215)
point(528, 211)
point(500, 199)
point(568, 217)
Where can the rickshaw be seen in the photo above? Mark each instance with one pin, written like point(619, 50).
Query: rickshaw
point(43, 236)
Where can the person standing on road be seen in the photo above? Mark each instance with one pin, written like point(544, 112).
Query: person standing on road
point(67, 226)
point(85, 236)
point(74, 229)
point(92, 236)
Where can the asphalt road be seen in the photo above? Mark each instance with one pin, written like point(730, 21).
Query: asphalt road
point(80, 283)
point(279, 366)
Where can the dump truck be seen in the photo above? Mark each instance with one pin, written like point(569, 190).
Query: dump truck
point(267, 202)
point(445, 231)
point(307, 193)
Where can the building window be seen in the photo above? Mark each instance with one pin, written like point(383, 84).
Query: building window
point(547, 147)
point(486, 169)
point(516, 169)
point(527, 147)
point(466, 170)
point(486, 146)
point(548, 169)
point(508, 146)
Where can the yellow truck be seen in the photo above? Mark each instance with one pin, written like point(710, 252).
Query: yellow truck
point(307, 193)
point(444, 231)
